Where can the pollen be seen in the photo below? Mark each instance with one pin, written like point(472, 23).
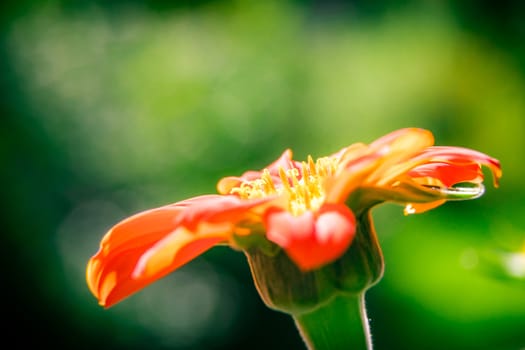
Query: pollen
point(302, 184)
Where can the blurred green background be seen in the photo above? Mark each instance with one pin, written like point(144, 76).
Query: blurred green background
point(109, 108)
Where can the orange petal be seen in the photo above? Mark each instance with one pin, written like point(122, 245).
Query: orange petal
point(396, 148)
point(350, 153)
point(418, 208)
point(312, 240)
point(135, 233)
point(403, 140)
point(178, 248)
point(185, 229)
point(354, 174)
point(167, 255)
point(226, 184)
point(375, 165)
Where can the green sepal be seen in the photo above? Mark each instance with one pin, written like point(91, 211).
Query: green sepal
point(256, 241)
point(284, 287)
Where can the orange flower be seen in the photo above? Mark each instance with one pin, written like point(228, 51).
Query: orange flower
point(308, 209)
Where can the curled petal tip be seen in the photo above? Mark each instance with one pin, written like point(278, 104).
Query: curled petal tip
point(225, 185)
point(497, 173)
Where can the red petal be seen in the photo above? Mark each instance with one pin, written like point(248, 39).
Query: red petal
point(462, 156)
point(449, 174)
point(312, 241)
point(285, 161)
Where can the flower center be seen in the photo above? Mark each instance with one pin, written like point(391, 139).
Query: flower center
point(302, 185)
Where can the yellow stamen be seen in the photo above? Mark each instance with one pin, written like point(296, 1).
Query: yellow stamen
point(284, 179)
point(311, 164)
point(303, 187)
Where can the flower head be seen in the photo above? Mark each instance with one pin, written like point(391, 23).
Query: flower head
point(308, 209)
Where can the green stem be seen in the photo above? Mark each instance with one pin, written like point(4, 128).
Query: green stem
point(340, 324)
